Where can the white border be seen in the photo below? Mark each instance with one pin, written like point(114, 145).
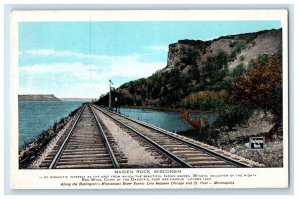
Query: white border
point(267, 177)
point(151, 15)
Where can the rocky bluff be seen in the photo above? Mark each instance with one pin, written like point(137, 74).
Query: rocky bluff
point(241, 48)
point(194, 66)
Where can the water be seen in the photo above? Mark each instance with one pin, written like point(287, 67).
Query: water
point(171, 121)
point(37, 116)
point(167, 120)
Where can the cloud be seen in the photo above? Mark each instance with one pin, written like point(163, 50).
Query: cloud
point(77, 89)
point(87, 89)
point(134, 68)
point(74, 68)
point(121, 68)
point(60, 53)
point(163, 48)
point(81, 79)
point(55, 53)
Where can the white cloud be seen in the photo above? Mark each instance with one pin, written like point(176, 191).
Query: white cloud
point(134, 68)
point(79, 79)
point(78, 90)
point(131, 68)
point(163, 48)
point(87, 89)
point(54, 68)
point(55, 53)
point(59, 53)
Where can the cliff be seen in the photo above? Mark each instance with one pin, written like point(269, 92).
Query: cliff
point(194, 66)
point(241, 49)
point(48, 97)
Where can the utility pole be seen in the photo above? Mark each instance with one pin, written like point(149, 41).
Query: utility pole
point(116, 101)
point(109, 100)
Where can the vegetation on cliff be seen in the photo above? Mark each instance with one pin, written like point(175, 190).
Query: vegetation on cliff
point(216, 76)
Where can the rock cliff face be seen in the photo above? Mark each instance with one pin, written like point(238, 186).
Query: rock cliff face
point(241, 49)
point(48, 97)
point(185, 53)
point(268, 43)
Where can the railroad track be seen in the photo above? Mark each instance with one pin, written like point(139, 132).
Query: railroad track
point(84, 146)
point(183, 151)
point(135, 161)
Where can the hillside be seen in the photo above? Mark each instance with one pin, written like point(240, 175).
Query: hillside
point(48, 97)
point(199, 68)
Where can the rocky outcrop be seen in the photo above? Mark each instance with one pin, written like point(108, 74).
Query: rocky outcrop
point(185, 53)
point(241, 49)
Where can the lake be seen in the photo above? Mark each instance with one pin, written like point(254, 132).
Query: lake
point(37, 116)
point(167, 120)
point(170, 121)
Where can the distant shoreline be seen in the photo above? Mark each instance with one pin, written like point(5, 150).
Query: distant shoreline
point(51, 97)
point(163, 109)
point(46, 97)
point(77, 99)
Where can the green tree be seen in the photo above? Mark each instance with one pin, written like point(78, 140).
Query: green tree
point(232, 114)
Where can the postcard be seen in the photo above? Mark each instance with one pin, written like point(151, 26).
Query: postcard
point(149, 99)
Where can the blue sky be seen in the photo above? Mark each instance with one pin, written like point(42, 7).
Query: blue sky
point(76, 59)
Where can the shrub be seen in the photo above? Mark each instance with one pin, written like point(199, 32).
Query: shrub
point(232, 114)
point(204, 100)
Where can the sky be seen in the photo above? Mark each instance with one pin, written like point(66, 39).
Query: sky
point(77, 59)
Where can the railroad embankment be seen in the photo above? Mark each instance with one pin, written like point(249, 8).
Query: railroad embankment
point(32, 151)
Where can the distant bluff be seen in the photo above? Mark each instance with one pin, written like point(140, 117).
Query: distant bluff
point(47, 97)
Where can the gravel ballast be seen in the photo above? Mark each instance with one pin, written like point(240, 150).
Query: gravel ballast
point(136, 153)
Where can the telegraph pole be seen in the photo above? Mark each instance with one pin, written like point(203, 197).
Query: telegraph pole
point(109, 100)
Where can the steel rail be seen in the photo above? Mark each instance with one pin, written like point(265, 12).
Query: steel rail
point(197, 147)
point(164, 151)
point(63, 145)
point(109, 148)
